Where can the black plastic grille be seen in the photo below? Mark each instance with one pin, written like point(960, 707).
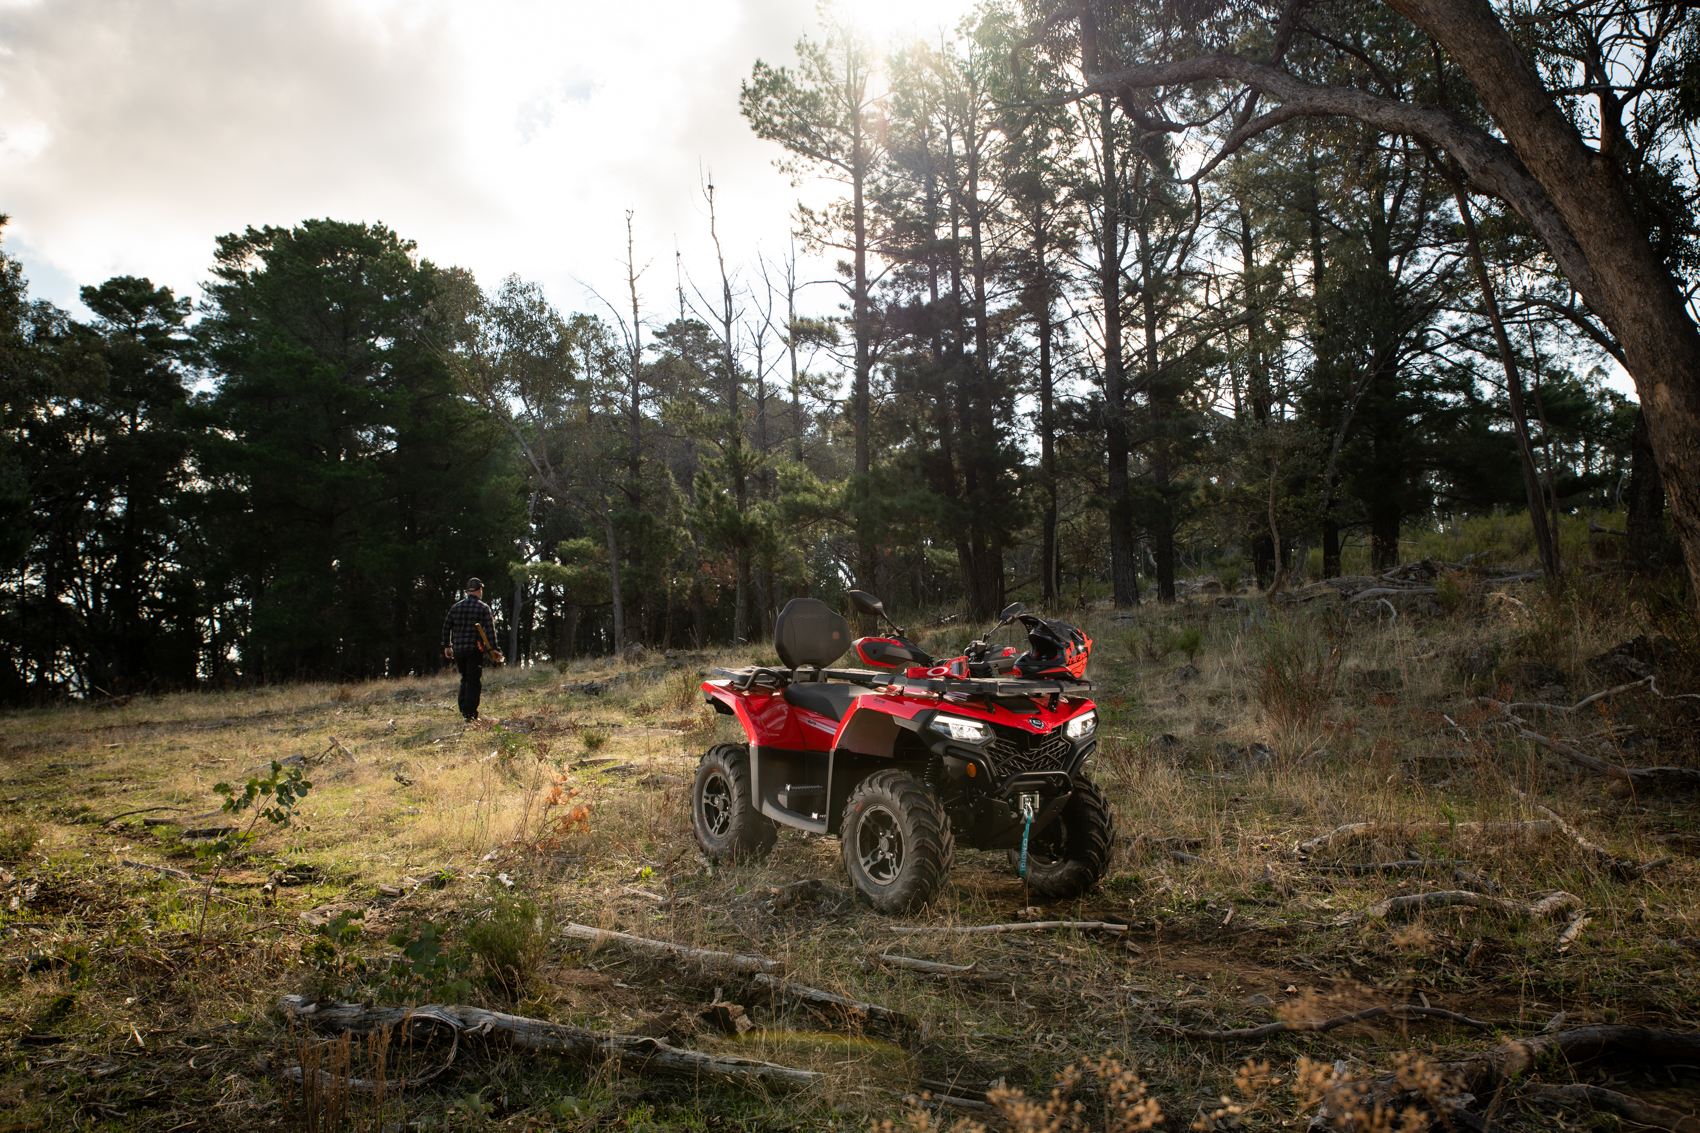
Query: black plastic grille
point(1013, 756)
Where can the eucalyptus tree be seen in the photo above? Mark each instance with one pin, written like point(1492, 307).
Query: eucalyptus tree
point(827, 114)
point(557, 385)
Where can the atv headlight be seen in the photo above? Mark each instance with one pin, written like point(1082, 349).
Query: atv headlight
point(1082, 726)
point(965, 731)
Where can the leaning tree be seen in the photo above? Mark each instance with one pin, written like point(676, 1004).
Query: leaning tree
point(1574, 113)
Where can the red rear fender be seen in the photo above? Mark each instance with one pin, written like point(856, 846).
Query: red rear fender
point(763, 714)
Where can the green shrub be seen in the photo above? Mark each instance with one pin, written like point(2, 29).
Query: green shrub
point(1298, 668)
point(593, 739)
point(508, 942)
point(1155, 643)
point(1230, 576)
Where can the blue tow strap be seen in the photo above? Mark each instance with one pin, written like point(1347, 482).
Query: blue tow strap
point(1025, 830)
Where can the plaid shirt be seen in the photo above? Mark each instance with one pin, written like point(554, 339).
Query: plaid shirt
point(460, 628)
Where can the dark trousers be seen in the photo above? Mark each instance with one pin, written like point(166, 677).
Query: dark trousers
point(471, 665)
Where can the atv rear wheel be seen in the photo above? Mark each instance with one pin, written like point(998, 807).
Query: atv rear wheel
point(1069, 856)
point(729, 826)
point(897, 843)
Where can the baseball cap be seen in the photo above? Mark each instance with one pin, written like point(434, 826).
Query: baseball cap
point(474, 584)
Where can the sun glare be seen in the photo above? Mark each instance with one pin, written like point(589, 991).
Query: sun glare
point(884, 19)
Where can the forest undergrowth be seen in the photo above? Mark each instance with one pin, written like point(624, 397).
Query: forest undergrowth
point(1331, 814)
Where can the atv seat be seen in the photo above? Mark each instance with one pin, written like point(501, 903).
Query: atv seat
point(831, 699)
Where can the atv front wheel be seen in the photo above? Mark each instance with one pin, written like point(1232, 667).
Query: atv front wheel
point(1069, 856)
point(729, 826)
point(897, 843)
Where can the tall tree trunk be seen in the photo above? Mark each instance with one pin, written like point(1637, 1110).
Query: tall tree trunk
point(1050, 568)
point(1514, 392)
point(570, 617)
point(1646, 494)
point(1330, 548)
point(1124, 553)
point(614, 583)
point(867, 549)
point(1157, 396)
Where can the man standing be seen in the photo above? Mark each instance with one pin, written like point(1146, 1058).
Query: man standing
point(467, 633)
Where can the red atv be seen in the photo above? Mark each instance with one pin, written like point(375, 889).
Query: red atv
point(903, 759)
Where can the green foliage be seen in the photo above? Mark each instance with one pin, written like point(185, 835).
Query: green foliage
point(354, 483)
point(427, 969)
point(508, 940)
point(593, 739)
point(282, 788)
point(1157, 642)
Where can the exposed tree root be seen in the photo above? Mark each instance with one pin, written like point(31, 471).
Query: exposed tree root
point(634, 1053)
point(1353, 831)
point(1598, 1097)
point(1547, 906)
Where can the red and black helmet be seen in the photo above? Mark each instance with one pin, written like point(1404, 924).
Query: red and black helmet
point(1057, 651)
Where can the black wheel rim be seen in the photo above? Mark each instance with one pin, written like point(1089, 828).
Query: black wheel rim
point(879, 845)
point(717, 804)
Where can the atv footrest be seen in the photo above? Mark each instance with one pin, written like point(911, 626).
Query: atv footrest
point(800, 798)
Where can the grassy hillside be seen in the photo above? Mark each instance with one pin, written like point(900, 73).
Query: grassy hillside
point(1234, 730)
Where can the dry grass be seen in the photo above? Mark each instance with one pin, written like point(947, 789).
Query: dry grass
point(575, 808)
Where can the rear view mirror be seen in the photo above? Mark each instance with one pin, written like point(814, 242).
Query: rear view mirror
point(866, 603)
point(1012, 611)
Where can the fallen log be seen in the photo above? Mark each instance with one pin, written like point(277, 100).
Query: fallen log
point(1652, 777)
point(1547, 906)
point(931, 966)
point(1622, 867)
point(1025, 926)
point(1580, 704)
point(1517, 1058)
point(1390, 591)
point(633, 1053)
point(1386, 867)
point(1395, 1011)
point(1640, 1112)
point(896, 1022)
point(166, 870)
point(738, 962)
point(1354, 830)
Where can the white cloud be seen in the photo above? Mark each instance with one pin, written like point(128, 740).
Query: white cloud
point(503, 136)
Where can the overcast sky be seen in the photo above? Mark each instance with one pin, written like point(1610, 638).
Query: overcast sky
point(501, 135)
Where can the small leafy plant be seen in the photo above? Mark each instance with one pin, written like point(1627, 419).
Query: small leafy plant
point(272, 799)
point(426, 968)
